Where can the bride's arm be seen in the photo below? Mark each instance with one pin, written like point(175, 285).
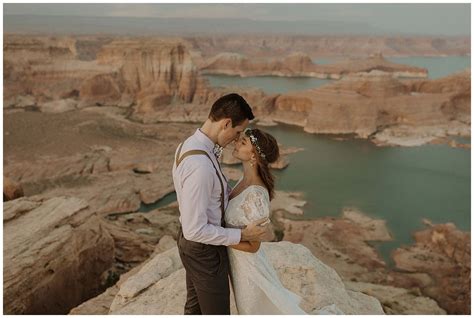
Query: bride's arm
point(250, 247)
point(255, 206)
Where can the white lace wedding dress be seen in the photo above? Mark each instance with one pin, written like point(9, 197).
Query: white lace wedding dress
point(256, 286)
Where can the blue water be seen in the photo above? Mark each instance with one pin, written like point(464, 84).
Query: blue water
point(327, 60)
point(437, 66)
point(269, 84)
point(167, 199)
point(401, 185)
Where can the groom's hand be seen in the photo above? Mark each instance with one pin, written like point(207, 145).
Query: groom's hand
point(255, 231)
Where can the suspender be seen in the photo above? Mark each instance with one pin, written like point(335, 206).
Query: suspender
point(202, 152)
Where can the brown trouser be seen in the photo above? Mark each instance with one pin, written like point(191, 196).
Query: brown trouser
point(207, 277)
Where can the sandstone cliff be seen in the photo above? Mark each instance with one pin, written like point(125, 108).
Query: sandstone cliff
point(367, 104)
point(44, 68)
point(55, 253)
point(300, 64)
point(443, 252)
point(147, 69)
point(147, 290)
point(147, 72)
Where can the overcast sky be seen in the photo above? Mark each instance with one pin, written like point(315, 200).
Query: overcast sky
point(430, 19)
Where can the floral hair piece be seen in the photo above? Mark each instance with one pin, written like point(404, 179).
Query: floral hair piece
point(253, 140)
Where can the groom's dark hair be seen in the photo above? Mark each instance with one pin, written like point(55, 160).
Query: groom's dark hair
point(231, 106)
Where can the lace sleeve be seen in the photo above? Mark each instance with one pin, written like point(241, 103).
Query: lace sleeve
point(255, 205)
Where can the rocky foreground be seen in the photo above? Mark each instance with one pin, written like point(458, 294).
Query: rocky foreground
point(147, 290)
point(159, 80)
point(78, 228)
point(432, 276)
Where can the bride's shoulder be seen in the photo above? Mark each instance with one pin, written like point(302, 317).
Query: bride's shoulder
point(259, 191)
point(256, 202)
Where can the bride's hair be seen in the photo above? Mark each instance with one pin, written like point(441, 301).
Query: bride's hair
point(269, 147)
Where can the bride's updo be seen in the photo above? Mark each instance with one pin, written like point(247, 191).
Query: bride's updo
point(267, 152)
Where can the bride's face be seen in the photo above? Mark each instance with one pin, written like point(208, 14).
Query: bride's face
point(243, 149)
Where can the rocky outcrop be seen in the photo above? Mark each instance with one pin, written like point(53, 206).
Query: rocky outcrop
point(410, 136)
point(398, 301)
point(458, 85)
point(290, 202)
point(86, 240)
point(58, 106)
point(365, 105)
point(198, 110)
point(99, 250)
point(300, 64)
point(153, 72)
point(51, 246)
point(351, 258)
point(431, 277)
point(443, 252)
point(71, 157)
point(44, 68)
point(97, 71)
point(100, 305)
point(146, 291)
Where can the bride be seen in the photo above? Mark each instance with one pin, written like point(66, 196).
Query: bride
point(255, 283)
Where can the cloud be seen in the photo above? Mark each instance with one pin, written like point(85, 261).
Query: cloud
point(178, 11)
point(399, 17)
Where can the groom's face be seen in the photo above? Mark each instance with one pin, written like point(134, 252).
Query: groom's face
point(229, 133)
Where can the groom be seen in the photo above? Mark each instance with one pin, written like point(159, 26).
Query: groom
point(203, 194)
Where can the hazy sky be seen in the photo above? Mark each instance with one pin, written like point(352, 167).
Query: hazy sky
point(447, 19)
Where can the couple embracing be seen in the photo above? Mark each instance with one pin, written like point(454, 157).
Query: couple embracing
point(222, 226)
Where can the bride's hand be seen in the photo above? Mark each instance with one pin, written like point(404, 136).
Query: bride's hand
point(256, 230)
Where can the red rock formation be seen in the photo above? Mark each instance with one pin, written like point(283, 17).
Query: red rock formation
point(364, 104)
point(458, 85)
point(300, 64)
point(197, 111)
point(43, 67)
point(149, 72)
point(102, 89)
point(55, 252)
point(444, 253)
point(154, 72)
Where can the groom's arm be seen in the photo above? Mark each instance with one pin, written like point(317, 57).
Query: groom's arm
point(197, 187)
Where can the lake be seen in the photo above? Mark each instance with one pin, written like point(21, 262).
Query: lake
point(437, 67)
point(401, 185)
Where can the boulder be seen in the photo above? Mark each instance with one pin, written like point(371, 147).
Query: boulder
point(55, 255)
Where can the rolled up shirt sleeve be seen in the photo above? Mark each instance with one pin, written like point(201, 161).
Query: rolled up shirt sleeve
point(197, 186)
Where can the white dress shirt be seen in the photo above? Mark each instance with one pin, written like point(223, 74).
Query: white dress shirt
point(198, 190)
